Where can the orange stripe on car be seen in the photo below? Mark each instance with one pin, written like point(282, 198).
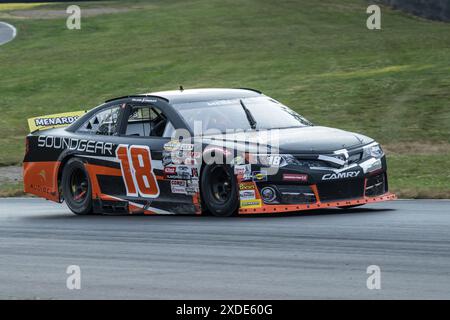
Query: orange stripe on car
point(41, 179)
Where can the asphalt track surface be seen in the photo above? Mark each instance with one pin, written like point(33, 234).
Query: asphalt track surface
point(7, 32)
point(322, 254)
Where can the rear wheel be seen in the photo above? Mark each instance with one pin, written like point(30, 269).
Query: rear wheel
point(219, 190)
point(76, 187)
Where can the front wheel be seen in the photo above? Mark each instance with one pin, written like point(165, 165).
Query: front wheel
point(76, 187)
point(218, 188)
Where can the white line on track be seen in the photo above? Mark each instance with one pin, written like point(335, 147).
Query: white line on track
point(14, 32)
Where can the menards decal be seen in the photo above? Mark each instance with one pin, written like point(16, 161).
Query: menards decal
point(54, 120)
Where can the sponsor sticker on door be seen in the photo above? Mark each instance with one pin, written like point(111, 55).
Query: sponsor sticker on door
point(178, 186)
point(247, 194)
point(295, 177)
point(250, 204)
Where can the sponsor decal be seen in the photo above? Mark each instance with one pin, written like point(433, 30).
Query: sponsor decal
point(243, 171)
point(247, 194)
point(192, 183)
point(190, 161)
point(259, 176)
point(176, 145)
point(170, 170)
point(268, 160)
point(171, 159)
point(144, 100)
point(186, 157)
point(195, 154)
point(191, 191)
point(237, 160)
point(247, 186)
point(166, 158)
point(192, 187)
point(340, 175)
point(249, 204)
point(54, 120)
point(178, 186)
point(81, 145)
point(295, 177)
point(180, 172)
point(43, 175)
point(247, 176)
point(42, 189)
point(191, 157)
point(188, 187)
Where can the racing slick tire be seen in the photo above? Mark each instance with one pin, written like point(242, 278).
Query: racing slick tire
point(76, 187)
point(218, 187)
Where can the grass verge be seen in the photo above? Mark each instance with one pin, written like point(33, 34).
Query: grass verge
point(14, 189)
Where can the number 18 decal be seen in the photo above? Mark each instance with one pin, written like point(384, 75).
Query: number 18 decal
point(137, 172)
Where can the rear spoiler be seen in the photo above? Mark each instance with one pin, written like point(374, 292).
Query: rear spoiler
point(54, 120)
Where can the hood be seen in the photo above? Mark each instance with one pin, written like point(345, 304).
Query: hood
point(292, 140)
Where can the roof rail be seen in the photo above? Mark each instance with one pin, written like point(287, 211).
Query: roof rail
point(250, 89)
point(138, 96)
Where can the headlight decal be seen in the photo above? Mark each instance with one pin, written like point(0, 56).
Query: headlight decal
point(371, 165)
point(373, 150)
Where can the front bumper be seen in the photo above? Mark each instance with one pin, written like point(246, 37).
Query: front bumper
point(280, 208)
point(325, 188)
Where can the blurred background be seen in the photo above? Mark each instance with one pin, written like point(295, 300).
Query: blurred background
point(318, 57)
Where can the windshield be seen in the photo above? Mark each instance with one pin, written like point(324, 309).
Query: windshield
point(223, 115)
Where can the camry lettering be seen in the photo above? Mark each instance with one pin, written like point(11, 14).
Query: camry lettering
point(341, 175)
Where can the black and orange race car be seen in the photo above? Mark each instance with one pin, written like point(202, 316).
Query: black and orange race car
point(222, 151)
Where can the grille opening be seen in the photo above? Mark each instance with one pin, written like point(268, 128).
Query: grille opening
point(312, 162)
point(341, 190)
point(376, 185)
point(308, 162)
point(354, 158)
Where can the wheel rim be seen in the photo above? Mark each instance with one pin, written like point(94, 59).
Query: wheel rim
point(220, 184)
point(79, 185)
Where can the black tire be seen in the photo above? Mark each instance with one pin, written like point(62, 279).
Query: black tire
point(218, 187)
point(76, 187)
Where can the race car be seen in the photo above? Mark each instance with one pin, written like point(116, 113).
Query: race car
point(216, 151)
